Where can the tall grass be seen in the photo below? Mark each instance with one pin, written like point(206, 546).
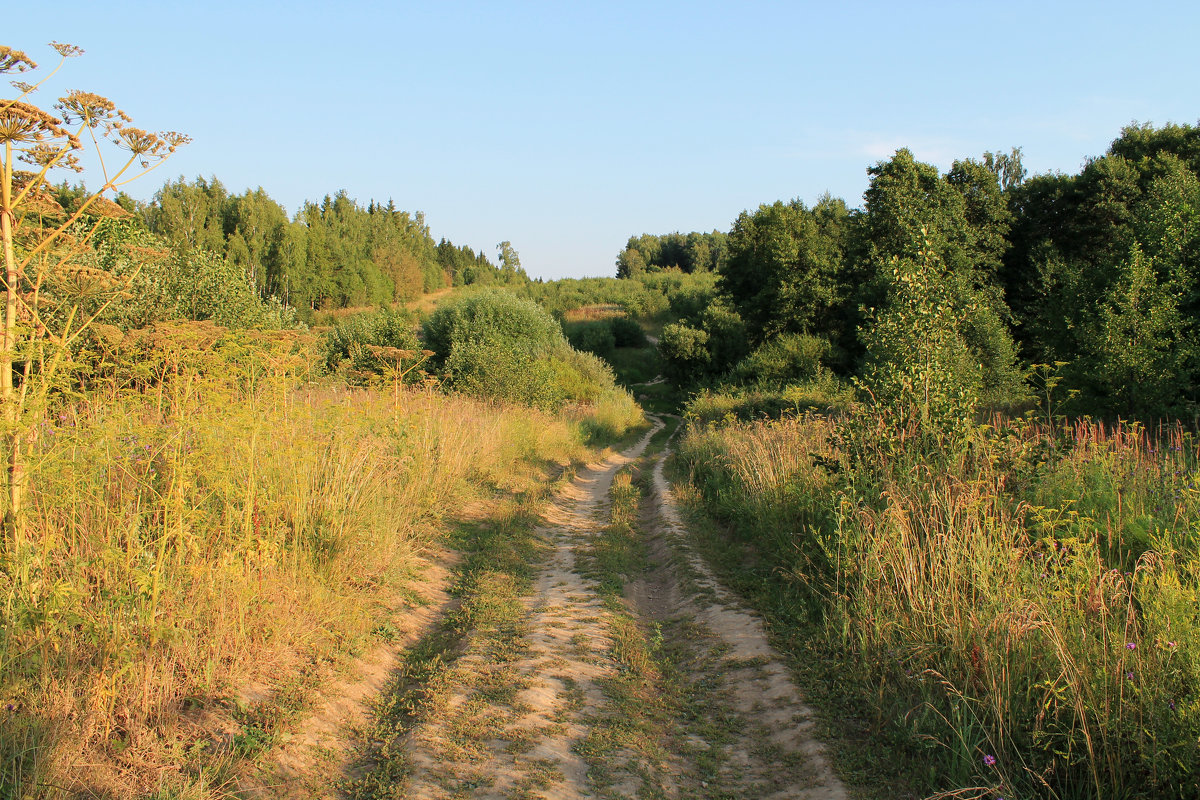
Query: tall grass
point(1024, 610)
point(215, 534)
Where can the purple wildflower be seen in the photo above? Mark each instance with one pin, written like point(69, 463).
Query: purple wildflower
point(1131, 645)
point(989, 760)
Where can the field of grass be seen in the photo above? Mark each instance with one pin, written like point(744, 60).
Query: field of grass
point(1017, 617)
point(227, 528)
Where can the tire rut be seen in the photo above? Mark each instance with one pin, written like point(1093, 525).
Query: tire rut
point(534, 714)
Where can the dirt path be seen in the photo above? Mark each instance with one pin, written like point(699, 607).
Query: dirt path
point(642, 679)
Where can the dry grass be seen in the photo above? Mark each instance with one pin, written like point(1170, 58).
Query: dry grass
point(595, 312)
point(1023, 610)
point(185, 545)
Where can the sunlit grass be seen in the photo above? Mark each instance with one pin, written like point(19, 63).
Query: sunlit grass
point(1025, 612)
point(182, 546)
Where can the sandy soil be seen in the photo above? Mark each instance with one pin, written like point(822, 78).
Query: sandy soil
point(524, 719)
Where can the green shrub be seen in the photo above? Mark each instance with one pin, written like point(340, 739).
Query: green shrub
point(349, 342)
point(788, 358)
point(593, 337)
point(627, 333)
point(923, 382)
point(179, 282)
point(495, 316)
point(493, 344)
point(685, 355)
point(503, 371)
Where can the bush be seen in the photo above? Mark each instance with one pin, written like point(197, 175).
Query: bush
point(495, 316)
point(502, 371)
point(179, 282)
point(496, 345)
point(789, 358)
point(920, 374)
point(627, 333)
point(592, 337)
point(348, 344)
point(685, 355)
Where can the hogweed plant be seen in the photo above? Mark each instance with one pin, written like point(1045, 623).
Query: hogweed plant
point(52, 290)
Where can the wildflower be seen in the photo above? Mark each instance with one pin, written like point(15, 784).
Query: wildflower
point(989, 760)
point(1131, 645)
point(1129, 675)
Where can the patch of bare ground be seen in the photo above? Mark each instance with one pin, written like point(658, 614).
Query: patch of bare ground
point(621, 669)
point(319, 750)
point(522, 704)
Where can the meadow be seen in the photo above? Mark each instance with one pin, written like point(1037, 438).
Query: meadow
point(218, 543)
point(1013, 616)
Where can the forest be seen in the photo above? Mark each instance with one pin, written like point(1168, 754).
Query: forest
point(1092, 274)
point(942, 444)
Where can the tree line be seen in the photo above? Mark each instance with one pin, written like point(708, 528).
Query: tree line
point(685, 252)
point(1093, 274)
point(332, 254)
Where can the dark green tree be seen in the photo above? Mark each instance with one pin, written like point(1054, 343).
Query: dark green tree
point(959, 222)
point(785, 268)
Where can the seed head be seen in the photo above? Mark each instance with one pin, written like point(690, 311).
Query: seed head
point(87, 107)
point(174, 139)
point(67, 50)
point(149, 145)
point(15, 61)
point(44, 154)
point(22, 123)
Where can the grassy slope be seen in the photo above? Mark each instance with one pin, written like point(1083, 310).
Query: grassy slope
point(1020, 621)
point(217, 533)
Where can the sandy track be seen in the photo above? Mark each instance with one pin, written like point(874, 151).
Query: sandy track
point(522, 716)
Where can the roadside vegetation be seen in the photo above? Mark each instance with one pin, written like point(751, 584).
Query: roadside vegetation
point(947, 443)
point(1011, 594)
point(211, 512)
point(944, 442)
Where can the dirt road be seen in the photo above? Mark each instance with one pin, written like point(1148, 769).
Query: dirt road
point(643, 679)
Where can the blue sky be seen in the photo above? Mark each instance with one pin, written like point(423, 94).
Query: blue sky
point(566, 127)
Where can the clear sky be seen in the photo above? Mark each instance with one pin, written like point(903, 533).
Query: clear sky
point(566, 127)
